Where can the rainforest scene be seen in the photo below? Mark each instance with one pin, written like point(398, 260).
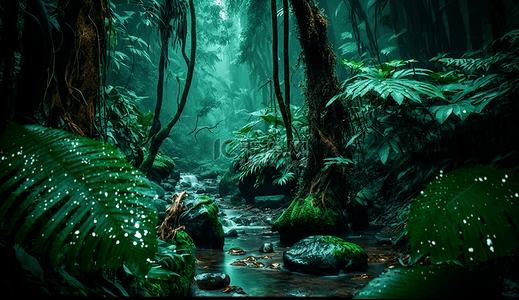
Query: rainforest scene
point(259, 148)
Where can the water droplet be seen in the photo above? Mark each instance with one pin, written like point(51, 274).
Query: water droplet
point(471, 249)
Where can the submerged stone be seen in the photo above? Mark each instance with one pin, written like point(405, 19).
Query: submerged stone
point(325, 255)
point(211, 281)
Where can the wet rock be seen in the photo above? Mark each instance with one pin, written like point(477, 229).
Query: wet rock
point(228, 184)
point(299, 292)
point(157, 188)
point(168, 186)
point(231, 233)
point(267, 187)
point(272, 201)
point(212, 281)
point(266, 248)
point(159, 204)
point(202, 223)
point(208, 174)
point(325, 255)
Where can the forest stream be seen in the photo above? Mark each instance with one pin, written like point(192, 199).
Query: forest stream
point(267, 275)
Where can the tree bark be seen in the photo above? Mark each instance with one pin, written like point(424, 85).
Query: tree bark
point(73, 95)
point(160, 136)
point(328, 126)
point(284, 105)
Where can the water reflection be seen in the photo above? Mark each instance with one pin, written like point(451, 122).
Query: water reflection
point(268, 281)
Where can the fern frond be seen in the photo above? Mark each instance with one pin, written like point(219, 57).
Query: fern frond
point(472, 213)
point(80, 200)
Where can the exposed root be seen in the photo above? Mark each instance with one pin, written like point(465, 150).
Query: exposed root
point(171, 224)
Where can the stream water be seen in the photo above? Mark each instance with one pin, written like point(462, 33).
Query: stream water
point(273, 279)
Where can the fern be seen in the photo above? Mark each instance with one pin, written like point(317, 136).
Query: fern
point(387, 81)
point(472, 213)
point(79, 199)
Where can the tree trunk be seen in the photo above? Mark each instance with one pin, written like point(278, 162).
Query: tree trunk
point(160, 136)
point(328, 126)
point(284, 105)
point(73, 95)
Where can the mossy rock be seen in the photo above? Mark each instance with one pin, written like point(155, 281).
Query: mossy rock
point(185, 267)
point(162, 165)
point(202, 223)
point(228, 184)
point(304, 217)
point(325, 255)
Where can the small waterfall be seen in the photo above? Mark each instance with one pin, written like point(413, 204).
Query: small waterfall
point(189, 178)
point(229, 223)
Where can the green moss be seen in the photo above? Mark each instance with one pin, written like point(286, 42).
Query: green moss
point(344, 250)
point(212, 210)
point(187, 271)
point(305, 213)
point(163, 162)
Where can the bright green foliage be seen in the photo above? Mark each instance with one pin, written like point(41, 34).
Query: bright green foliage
point(345, 250)
point(469, 211)
point(387, 81)
point(307, 215)
point(256, 150)
point(173, 268)
point(80, 201)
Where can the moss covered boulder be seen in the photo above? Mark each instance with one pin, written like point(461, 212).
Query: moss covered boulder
point(305, 217)
point(202, 223)
point(162, 166)
point(325, 255)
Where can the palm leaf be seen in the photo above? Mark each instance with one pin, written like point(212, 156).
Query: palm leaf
point(468, 213)
point(79, 198)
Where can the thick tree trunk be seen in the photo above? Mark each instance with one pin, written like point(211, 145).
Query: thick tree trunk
point(73, 95)
point(328, 125)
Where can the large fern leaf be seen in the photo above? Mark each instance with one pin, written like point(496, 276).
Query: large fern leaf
point(471, 214)
point(80, 200)
point(430, 282)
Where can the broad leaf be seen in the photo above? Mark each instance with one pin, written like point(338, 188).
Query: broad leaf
point(79, 198)
point(472, 214)
point(433, 281)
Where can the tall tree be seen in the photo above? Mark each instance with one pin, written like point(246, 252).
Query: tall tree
point(326, 188)
point(160, 135)
point(328, 125)
point(284, 104)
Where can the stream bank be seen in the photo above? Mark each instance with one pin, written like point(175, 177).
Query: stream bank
point(267, 277)
point(264, 274)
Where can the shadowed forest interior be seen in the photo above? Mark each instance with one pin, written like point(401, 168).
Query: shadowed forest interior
point(353, 148)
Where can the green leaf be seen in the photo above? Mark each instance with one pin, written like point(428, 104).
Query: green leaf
point(79, 198)
point(28, 262)
point(383, 152)
point(441, 112)
point(468, 213)
point(432, 281)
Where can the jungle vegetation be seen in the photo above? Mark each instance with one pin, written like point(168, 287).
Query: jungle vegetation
point(375, 103)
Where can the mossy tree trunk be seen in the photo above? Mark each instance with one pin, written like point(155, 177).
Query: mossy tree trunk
point(328, 125)
point(325, 188)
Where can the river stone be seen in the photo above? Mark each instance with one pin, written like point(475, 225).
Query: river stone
point(325, 255)
point(202, 223)
point(266, 248)
point(212, 281)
